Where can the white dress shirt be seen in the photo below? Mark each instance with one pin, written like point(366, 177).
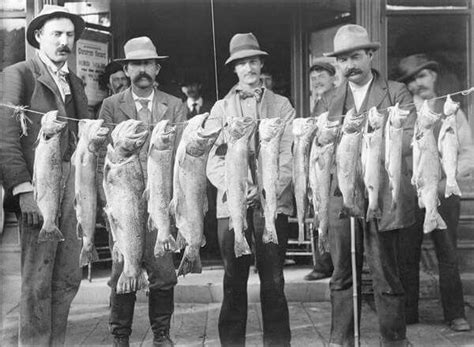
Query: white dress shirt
point(359, 93)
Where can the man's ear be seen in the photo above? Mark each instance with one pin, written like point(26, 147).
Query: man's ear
point(37, 35)
point(125, 70)
point(435, 75)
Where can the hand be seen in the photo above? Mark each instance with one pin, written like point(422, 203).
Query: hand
point(252, 196)
point(29, 209)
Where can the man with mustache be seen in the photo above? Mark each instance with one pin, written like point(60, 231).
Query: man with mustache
point(144, 102)
point(421, 76)
point(249, 98)
point(50, 270)
point(364, 88)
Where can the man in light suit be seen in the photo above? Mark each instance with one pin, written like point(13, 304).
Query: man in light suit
point(143, 101)
point(249, 98)
point(50, 271)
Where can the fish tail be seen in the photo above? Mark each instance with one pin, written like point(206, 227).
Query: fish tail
point(270, 236)
point(433, 221)
point(323, 241)
point(88, 256)
point(301, 232)
point(191, 262)
point(180, 241)
point(130, 284)
point(452, 189)
point(50, 233)
point(373, 214)
point(241, 247)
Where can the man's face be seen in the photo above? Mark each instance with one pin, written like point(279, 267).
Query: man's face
point(193, 91)
point(355, 66)
point(118, 82)
point(267, 81)
point(248, 71)
point(142, 73)
point(321, 81)
point(423, 84)
point(56, 39)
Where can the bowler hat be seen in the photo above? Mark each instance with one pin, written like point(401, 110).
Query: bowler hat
point(323, 63)
point(349, 38)
point(140, 48)
point(52, 11)
point(411, 65)
point(109, 70)
point(243, 46)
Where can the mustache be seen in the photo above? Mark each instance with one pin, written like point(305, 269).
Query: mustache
point(64, 49)
point(143, 75)
point(352, 71)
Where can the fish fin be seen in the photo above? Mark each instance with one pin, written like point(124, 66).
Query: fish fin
point(373, 214)
point(180, 241)
point(146, 194)
point(79, 231)
point(172, 208)
point(241, 248)
point(127, 284)
point(203, 241)
point(323, 241)
point(112, 222)
point(117, 255)
point(161, 247)
point(191, 262)
point(224, 197)
point(88, 256)
point(452, 189)
point(50, 233)
point(151, 225)
point(432, 222)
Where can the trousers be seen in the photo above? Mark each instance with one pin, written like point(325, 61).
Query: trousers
point(269, 259)
point(50, 275)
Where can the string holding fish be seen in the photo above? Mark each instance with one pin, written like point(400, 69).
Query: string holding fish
point(19, 114)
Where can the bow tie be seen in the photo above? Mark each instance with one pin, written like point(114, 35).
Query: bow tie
point(256, 93)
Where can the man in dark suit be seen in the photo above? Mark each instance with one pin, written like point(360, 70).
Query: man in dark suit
point(50, 270)
point(144, 102)
point(363, 89)
point(195, 103)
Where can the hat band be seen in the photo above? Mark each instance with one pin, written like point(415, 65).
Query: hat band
point(244, 47)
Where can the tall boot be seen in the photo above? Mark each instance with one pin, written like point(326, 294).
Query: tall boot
point(121, 317)
point(160, 310)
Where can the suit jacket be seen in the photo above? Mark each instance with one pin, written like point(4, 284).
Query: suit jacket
point(271, 105)
point(29, 83)
point(382, 94)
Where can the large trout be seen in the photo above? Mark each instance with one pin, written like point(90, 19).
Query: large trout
point(270, 131)
point(91, 137)
point(321, 163)
point(393, 150)
point(348, 165)
point(160, 184)
point(47, 176)
point(126, 208)
point(427, 168)
point(238, 133)
point(448, 146)
point(304, 130)
point(371, 158)
point(189, 203)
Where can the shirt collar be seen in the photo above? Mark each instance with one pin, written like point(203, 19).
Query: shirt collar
point(356, 87)
point(190, 102)
point(149, 97)
point(239, 88)
point(51, 66)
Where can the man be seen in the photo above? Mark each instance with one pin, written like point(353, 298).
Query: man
point(249, 98)
point(143, 101)
point(363, 89)
point(194, 100)
point(267, 80)
point(322, 74)
point(421, 75)
point(114, 79)
point(50, 271)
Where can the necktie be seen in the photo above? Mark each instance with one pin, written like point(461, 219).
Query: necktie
point(256, 93)
point(62, 77)
point(194, 110)
point(144, 113)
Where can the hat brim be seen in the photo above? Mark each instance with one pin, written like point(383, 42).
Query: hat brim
point(246, 53)
point(156, 57)
point(432, 65)
point(38, 22)
point(373, 45)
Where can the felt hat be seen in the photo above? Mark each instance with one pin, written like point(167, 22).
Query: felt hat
point(411, 65)
point(349, 38)
point(244, 46)
point(140, 48)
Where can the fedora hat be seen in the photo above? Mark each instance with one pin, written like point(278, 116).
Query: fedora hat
point(243, 46)
point(140, 48)
point(323, 63)
point(349, 38)
point(52, 11)
point(411, 65)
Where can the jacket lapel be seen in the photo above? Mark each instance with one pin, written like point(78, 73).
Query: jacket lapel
point(127, 105)
point(265, 104)
point(377, 93)
point(160, 106)
point(44, 77)
point(336, 106)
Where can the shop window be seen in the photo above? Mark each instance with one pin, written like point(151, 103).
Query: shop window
point(12, 32)
point(413, 4)
point(93, 11)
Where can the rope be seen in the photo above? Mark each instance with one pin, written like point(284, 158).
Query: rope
point(214, 48)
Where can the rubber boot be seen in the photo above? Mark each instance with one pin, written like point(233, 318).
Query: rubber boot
point(160, 310)
point(121, 317)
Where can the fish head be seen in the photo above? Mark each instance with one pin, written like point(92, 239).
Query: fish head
point(163, 135)
point(50, 125)
point(93, 131)
point(129, 136)
point(397, 116)
point(303, 126)
point(270, 128)
point(353, 122)
point(203, 139)
point(375, 118)
point(241, 127)
point(328, 133)
point(427, 118)
point(450, 107)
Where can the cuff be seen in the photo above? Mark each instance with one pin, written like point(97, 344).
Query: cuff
point(24, 187)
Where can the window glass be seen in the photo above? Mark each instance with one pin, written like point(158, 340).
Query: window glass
point(427, 3)
point(12, 5)
point(12, 34)
point(93, 11)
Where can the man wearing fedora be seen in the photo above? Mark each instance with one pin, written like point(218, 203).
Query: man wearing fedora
point(364, 88)
point(50, 270)
point(421, 75)
point(249, 98)
point(144, 102)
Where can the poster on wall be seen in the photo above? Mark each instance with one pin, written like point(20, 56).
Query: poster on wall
point(91, 59)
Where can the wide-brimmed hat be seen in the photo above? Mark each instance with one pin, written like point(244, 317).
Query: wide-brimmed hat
point(411, 65)
point(351, 37)
point(140, 48)
point(243, 46)
point(49, 12)
point(109, 70)
point(323, 63)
